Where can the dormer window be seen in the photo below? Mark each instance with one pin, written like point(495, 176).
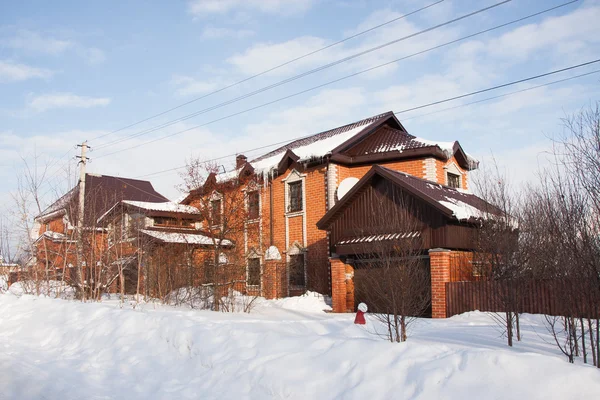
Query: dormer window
point(453, 180)
point(295, 196)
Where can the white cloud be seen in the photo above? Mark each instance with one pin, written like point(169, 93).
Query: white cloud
point(565, 35)
point(266, 55)
point(211, 32)
point(34, 42)
point(66, 100)
point(202, 8)
point(190, 86)
point(13, 72)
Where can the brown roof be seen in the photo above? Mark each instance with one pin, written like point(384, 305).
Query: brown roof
point(327, 134)
point(101, 193)
point(386, 139)
point(452, 203)
point(383, 138)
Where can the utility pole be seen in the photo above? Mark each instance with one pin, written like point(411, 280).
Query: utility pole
point(83, 159)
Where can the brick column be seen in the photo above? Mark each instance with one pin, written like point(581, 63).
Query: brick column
point(338, 285)
point(439, 261)
point(273, 278)
point(349, 288)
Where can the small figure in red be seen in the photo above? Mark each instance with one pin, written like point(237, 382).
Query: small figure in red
point(360, 314)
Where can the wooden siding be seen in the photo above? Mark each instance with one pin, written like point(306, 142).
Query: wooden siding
point(365, 215)
point(550, 297)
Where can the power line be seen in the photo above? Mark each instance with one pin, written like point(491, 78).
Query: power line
point(405, 119)
point(304, 74)
point(326, 83)
point(503, 95)
point(273, 68)
point(462, 96)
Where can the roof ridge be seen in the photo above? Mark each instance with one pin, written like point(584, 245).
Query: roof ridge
point(341, 128)
point(116, 177)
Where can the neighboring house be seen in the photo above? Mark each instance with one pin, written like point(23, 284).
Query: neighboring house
point(7, 267)
point(289, 190)
point(165, 239)
point(54, 232)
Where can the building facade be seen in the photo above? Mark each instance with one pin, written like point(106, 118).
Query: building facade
point(294, 187)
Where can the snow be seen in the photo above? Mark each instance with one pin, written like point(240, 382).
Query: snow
point(228, 175)
point(288, 348)
point(166, 206)
point(49, 288)
point(272, 253)
point(462, 210)
point(186, 238)
point(319, 148)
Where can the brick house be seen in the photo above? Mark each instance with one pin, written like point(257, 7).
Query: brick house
point(54, 229)
point(294, 186)
point(164, 241)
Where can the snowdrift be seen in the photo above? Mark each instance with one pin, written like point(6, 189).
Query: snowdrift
point(58, 349)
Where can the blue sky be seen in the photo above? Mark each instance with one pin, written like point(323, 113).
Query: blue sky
point(72, 70)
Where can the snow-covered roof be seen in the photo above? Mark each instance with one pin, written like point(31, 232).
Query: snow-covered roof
point(318, 145)
point(55, 236)
point(184, 238)
point(166, 206)
point(379, 134)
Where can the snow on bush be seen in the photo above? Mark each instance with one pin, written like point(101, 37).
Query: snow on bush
point(51, 288)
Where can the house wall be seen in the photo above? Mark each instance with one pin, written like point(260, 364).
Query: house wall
point(288, 229)
point(301, 228)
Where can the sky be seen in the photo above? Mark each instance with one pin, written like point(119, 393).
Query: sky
point(72, 71)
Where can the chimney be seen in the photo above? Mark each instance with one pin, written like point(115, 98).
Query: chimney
point(240, 161)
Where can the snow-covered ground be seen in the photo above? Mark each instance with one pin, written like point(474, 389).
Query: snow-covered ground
point(284, 349)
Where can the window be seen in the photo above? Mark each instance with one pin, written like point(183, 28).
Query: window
point(253, 205)
point(215, 212)
point(254, 272)
point(453, 180)
point(295, 196)
point(296, 270)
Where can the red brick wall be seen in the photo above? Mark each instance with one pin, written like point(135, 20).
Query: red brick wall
point(441, 172)
point(412, 167)
point(439, 260)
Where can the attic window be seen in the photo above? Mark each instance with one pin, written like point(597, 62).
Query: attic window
point(453, 180)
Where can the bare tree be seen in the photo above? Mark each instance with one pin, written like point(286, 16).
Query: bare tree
point(498, 254)
point(391, 272)
point(224, 204)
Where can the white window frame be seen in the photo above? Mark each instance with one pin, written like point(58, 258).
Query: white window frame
point(253, 187)
point(254, 255)
point(213, 197)
point(296, 249)
point(294, 177)
point(452, 168)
